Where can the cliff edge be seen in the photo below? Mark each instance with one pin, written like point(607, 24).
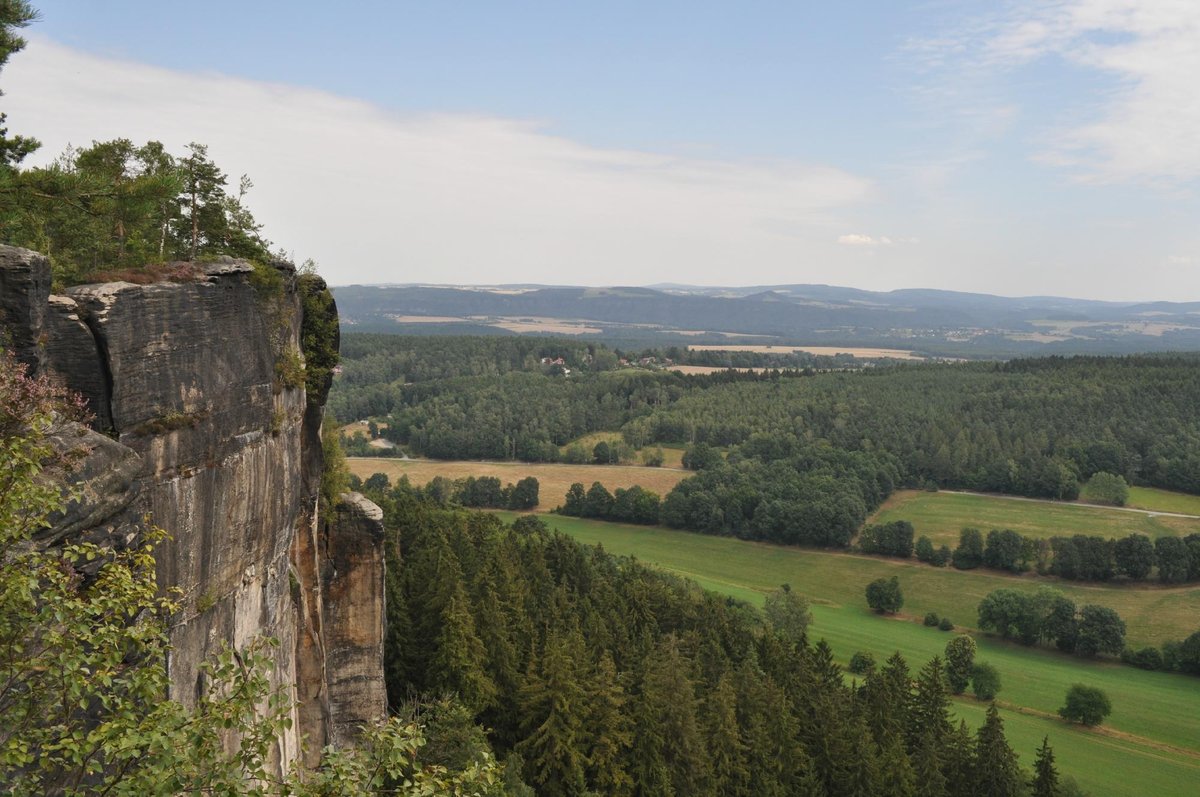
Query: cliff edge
point(203, 424)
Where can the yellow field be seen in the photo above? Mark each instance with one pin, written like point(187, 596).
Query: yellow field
point(709, 369)
point(899, 354)
point(553, 479)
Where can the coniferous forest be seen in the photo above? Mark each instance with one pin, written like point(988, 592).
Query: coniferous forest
point(595, 674)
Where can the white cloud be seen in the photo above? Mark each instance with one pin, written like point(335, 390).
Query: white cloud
point(860, 239)
point(1147, 127)
point(381, 196)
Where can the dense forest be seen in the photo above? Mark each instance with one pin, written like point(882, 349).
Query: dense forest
point(805, 456)
point(596, 674)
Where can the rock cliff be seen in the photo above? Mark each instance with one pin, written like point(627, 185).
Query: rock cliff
point(202, 423)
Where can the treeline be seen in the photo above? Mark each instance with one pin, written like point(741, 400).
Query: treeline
point(483, 492)
point(1047, 616)
point(594, 673)
point(114, 208)
point(381, 375)
point(625, 505)
point(818, 497)
point(1081, 557)
point(376, 367)
point(1030, 427)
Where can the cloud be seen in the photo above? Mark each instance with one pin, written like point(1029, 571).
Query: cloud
point(377, 196)
point(859, 239)
point(1146, 127)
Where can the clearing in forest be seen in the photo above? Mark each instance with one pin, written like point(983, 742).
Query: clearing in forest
point(942, 515)
point(1148, 746)
point(553, 479)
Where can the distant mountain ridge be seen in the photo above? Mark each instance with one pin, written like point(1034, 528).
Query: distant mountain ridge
point(938, 322)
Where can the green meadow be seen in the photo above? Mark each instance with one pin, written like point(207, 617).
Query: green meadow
point(1149, 745)
point(942, 515)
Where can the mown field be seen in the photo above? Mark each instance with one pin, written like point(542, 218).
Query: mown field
point(553, 479)
point(1163, 500)
point(1150, 744)
point(942, 515)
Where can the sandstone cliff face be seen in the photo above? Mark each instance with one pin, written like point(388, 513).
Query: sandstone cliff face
point(205, 435)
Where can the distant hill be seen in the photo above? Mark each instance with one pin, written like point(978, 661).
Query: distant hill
point(934, 322)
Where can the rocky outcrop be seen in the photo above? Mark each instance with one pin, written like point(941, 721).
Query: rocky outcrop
point(352, 536)
point(211, 438)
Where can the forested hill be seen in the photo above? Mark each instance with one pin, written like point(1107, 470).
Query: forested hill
point(937, 322)
point(599, 675)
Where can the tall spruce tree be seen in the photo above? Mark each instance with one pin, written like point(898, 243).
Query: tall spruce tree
point(1045, 775)
point(996, 770)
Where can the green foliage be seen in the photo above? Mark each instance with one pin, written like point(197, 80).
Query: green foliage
point(931, 620)
point(289, 370)
point(1105, 488)
point(883, 595)
point(888, 539)
point(945, 624)
point(788, 613)
point(1086, 705)
point(319, 333)
point(969, 553)
point(335, 476)
point(960, 661)
point(985, 681)
point(861, 663)
point(113, 208)
point(1045, 774)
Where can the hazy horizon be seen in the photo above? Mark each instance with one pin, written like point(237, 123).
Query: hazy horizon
point(1017, 148)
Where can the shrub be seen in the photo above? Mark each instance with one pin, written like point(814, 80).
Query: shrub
point(932, 619)
point(946, 625)
point(883, 595)
point(862, 663)
point(985, 681)
point(1086, 705)
point(1147, 658)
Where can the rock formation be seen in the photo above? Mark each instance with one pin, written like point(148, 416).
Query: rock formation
point(200, 426)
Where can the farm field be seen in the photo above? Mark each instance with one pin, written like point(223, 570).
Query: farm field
point(870, 353)
point(1150, 744)
point(1163, 501)
point(942, 515)
point(710, 369)
point(553, 479)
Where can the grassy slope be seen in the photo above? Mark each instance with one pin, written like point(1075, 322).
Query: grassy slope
point(1163, 500)
point(1161, 709)
point(940, 516)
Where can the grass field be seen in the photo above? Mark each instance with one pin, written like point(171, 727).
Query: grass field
point(1163, 501)
point(1150, 744)
point(942, 515)
point(553, 479)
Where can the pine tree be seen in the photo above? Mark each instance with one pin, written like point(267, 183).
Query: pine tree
point(667, 735)
point(896, 775)
point(1045, 775)
point(929, 710)
point(552, 717)
point(608, 732)
point(457, 664)
point(723, 741)
point(927, 768)
point(996, 771)
point(958, 761)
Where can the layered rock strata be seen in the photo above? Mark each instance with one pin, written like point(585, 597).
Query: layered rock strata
point(207, 433)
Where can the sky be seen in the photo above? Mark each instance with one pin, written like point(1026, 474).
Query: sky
point(1014, 148)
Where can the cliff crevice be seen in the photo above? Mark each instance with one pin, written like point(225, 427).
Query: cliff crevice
point(198, 427)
